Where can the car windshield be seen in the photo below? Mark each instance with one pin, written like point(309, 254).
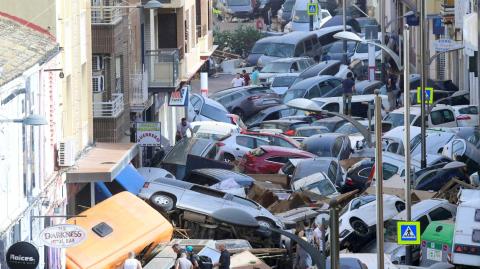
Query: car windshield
point(397, 119)
point(178, 154)
point(280, 50)
point(293, 94)
point(337, 47)
point(257, 117)
point(363, 48)
point(238, 2)
point(215, 114)
point(322, 187)
point(280, 67)
point(288, 5)
point(260, 48)
point(391, 230)
point(283, 81)
point(301, 16)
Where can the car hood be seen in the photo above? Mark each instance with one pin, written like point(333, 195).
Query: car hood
point(265, 59)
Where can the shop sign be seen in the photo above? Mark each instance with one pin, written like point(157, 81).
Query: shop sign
point(148, 134)
point(22, 255)
point(63, 236)
point(179, 97)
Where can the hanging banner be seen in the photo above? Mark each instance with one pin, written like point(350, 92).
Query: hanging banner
point(63, 236)
point(148, 134)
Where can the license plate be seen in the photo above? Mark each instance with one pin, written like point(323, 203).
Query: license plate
point(434, 254)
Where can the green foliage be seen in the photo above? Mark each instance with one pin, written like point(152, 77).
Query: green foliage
point(240, 40)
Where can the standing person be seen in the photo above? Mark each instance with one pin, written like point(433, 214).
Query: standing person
point(267, 14)
point(183, 262)
point(224, 261)
point(192, 257)
point(182, 128)
point(391, 87)
point(348, 86)
point(178, 250)
point(131, 262)
point(238, 81)
point(259, 23)
point(318, 236)
point(255, 76)
point(246, 77)
point(400, 93)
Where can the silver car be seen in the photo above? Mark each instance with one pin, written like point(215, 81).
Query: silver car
point(169, 194)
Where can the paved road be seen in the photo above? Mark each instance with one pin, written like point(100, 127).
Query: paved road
point(222, 81)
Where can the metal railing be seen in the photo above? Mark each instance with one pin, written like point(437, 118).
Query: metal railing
point(163, 68)
point(106, 12)
point(109, 109)
point(139, 89)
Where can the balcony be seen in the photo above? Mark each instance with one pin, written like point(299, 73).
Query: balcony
point(106, 12)
point(163, 68)
point(109, 109)
point(139, 92)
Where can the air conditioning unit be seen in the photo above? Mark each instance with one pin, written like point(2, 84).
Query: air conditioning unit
point(97, 62)
point(97, 83)
point(66, 152)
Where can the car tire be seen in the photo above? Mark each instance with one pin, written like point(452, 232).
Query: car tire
point(359, 227)
point(228, 158)
point(400, 206)
point(239, 113)
point(163, 202)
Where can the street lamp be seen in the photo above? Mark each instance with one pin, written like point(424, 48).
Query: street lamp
point(349, 36)
point(31, 120)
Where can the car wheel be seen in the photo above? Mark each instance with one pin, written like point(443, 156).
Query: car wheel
point(238, 112)
point(228, 158)
point(360, 227)
point(400, 206)
point(163, 201)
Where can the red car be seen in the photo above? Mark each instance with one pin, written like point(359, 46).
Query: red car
point(275, 139)
point(269, 159)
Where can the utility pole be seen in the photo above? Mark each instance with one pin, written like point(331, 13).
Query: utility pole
point(379, 179)
point(334, 239)
point(423, 79)
point(382, 39)
point(478, 60)
point(311, 19)
point(406, 96)
point(344, 16)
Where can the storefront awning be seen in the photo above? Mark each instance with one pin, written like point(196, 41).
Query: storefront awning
point(104, 162)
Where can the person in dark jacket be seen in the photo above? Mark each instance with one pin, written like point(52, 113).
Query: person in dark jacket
point(224, 261)
point(348, 86)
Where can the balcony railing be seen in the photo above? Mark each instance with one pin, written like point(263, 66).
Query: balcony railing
point(139, 90)
point(106, 12)
point(163, 68)
point(109, 109)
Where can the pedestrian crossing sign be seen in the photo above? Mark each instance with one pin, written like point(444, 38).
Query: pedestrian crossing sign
point(312, 9)
point(428, 95)
point(408, 233)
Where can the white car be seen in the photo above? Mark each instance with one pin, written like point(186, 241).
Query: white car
point(301, 21)
point(212, 129)
point(360, 214)
point(361, 52)
point(202, 108)
point(440, 116)
point(318, 183)
point(236, 145)
point(466, 115)
point(282, 67)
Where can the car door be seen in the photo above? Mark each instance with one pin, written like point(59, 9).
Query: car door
point(194, 107)
point(442, 118)
point(244, 143)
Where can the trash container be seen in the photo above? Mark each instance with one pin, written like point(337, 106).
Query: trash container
point(437, 242)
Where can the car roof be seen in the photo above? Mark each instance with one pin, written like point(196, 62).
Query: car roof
point(236, 89)
point(421, 208)
point(286, 150)
point(309, 82)
point(362, 84)
point(326, 138)
point(294, 37)
point(330, 29)
point(415, 109)
point(315, 69)
point(212, 102)
point(267, 39)
point(221, 174)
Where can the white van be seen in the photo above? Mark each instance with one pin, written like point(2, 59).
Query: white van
point(301, 19)
point(466, 239)
point(335, 104)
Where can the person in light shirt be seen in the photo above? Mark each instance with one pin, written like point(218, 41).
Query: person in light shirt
point(238, 81)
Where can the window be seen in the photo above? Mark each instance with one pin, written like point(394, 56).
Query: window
point(389, 170)
point(294, 68)
point(417, 123)
point(196, 102)
point(441, 116)
point(337, 147)
point(244, 202)
point(207, 191)
point(331, 70)
point(303, 65)
point(393, 147)
point(215, 113)
point(476, 236)
point(332, 107)
point(423, 223)
point(281, 142)
point(299, 50)
point(246, 141)
point(332, 172)
point(272, 116)
point(324, 88)
point(469, 110)
point(261, 142)
point(314, 92)
point(477, 214)
point(201, 180)
point(335, 83)
point(278, 159)
point(440, 214)
point(365, 172)
point(308, 45)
